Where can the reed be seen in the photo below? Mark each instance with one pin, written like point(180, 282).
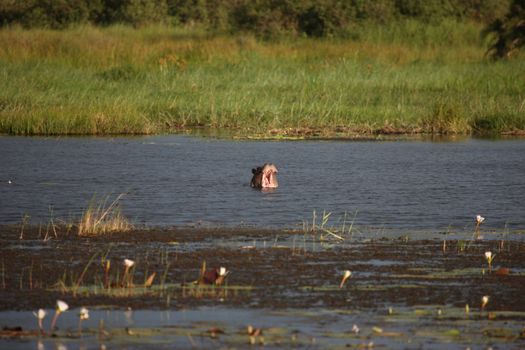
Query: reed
point(402, 77)
point(101, 218)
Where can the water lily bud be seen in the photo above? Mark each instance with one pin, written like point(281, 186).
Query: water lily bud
point(40, 314)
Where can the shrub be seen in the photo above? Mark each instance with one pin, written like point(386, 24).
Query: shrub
point(509, 31)
point(135, 12)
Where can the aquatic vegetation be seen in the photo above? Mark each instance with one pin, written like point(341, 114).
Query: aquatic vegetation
point(40, 315)
point(489, 257)
point(254, 334)
point(404, 293)
point(107, 266)
point(338, 231)
point(25, 220)
point(102, 218)
point(127, 279)
point(83, 315)
point(149, 280)
point(61, 307)
point(346, 276)
point(484, 301)
point(479, 220)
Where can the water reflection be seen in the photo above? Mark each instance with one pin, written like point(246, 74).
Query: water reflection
point(216, 327)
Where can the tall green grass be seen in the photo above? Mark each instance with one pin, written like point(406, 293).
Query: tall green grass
point(404, 77)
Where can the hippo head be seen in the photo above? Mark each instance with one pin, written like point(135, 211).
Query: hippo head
point(265, 177)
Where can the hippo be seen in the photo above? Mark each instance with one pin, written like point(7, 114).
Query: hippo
point(264, 177)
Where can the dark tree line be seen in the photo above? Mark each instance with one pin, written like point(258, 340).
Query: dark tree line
point(509, 31)
point(267, 18)
point(312, 17)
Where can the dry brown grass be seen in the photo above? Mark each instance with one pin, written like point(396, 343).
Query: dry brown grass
point(100, 218)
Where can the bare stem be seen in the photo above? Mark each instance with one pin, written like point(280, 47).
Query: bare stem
point(54, 321)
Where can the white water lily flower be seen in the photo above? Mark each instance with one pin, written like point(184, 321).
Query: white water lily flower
point(479, 219)
point(484, 301)
point(40, 314)
point(84, 313)
point(355, 329)
point(222, 271)
point(62, 306)
point(346, 276)
point(128, 263)
point(489, 257)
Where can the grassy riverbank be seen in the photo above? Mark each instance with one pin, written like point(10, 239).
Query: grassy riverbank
point(403, 77)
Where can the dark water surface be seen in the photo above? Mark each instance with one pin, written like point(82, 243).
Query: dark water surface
point(179, 180)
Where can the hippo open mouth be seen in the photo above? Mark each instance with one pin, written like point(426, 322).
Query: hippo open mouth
point(265, 177)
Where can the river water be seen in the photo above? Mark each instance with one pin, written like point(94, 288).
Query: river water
point(182, 180)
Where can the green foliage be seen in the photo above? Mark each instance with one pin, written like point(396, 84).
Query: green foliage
point(322, 19)
point(264, 18)
point(188, 10)
point(134, 12)
point(381, 11)
point(143, 12)
point(59, 14)
point(485, 11)
point(46, 13)
point(508, 32)
point(428, 10)
point(437, 10)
